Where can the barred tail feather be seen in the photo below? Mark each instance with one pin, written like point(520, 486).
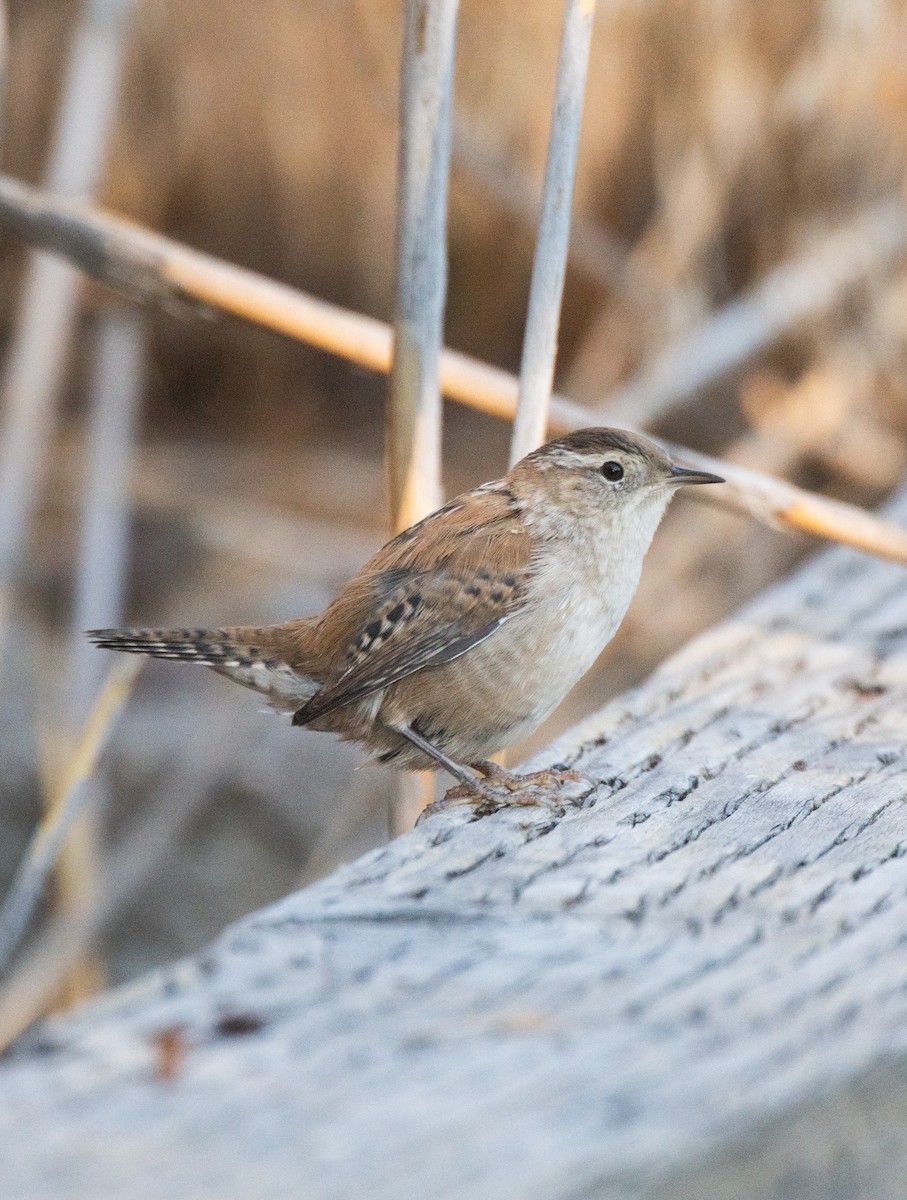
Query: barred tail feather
point(243, 654)
point(209, 647)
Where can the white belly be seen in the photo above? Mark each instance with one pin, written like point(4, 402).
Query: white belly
point(540, 655)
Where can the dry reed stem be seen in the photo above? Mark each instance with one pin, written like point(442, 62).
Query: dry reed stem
point(549, 268)
point(100, 588)
point(414, 408)
point(414, 402)
point(109, 440)
point(66, 806)
point(4, 56)
point(36, 361)
point(154, 268)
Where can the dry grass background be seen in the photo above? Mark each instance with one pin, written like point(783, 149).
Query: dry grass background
point(721, 140)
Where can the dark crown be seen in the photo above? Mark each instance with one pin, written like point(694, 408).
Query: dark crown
point(601, 440)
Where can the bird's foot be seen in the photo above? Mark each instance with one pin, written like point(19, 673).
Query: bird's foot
point(512, 781)
point(499, 788)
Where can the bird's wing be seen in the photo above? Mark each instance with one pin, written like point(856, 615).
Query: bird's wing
point(415, 608)
point(424, 622)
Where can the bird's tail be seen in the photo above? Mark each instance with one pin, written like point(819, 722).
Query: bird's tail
point(259, 658)
point(209, 647)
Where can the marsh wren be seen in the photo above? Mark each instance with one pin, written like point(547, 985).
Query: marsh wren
point(465, 631)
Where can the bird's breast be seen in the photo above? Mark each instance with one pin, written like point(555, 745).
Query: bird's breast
point(570, 619)
point(502, 689)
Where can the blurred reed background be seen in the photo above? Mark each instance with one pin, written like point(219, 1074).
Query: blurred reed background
point(736, 282)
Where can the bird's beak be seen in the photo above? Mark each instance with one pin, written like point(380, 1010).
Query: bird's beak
point(681, 475)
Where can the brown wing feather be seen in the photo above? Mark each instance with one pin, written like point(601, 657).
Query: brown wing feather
point(426, 597)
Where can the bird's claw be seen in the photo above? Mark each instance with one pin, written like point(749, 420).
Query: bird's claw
point(550, 778)
point(498, 788)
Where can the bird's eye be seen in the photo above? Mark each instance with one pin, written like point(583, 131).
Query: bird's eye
point(612, 471)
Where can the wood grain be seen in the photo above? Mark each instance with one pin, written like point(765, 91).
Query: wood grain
point(696, 987)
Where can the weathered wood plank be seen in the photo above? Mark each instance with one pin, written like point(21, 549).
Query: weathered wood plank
point(696, 986)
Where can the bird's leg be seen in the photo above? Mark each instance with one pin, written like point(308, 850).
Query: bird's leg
point(466, 777)
point(488, 786)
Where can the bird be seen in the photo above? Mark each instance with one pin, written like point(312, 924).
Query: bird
point(464, 632)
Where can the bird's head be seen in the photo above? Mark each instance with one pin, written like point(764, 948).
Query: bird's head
point(604, 473)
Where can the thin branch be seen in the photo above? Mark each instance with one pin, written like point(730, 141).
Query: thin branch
point(4, 68)
point(550, 265)
point(44, 847)
point(794, 292)
point(157, 269)
point(414, 411)
point(34, 368)
point(414, 407)
point(104, 536)
point(99, 588)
